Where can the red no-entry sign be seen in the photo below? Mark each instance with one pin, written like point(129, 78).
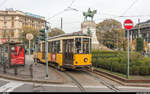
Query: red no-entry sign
point(128, 24)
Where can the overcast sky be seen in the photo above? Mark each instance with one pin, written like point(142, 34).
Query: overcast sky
point(72, 19)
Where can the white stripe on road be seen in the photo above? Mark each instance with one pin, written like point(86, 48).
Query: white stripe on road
point(129, 87)
point(9, 87)
point(54, 85)
point(95, 87)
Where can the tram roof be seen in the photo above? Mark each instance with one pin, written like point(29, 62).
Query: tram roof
point(69, 34)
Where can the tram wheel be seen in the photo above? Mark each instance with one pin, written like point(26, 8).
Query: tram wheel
point(60, 68)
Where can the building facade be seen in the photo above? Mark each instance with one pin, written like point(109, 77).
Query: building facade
point(141, 30)
point(11, 23)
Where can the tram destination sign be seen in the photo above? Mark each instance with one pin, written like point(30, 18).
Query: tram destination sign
point(128, 24)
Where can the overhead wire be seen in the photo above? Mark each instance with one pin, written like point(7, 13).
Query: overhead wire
point(3, 2)
point(129, 7)
point(69, 7)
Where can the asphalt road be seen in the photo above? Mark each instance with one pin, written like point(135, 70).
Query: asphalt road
point(16, 86)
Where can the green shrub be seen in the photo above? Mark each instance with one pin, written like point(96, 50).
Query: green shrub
point(139, 44)
point(149, 69)
point(135, 70)
point(139, 65)
point(123, 68)
point(144, 70)
point(116, 67)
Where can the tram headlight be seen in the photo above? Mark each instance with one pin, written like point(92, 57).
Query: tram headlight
point(85, 59)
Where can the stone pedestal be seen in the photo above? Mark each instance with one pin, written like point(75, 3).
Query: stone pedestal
point(90, 25)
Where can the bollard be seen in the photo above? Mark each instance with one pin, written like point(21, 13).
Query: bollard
point(35, 61)
point(4, 67)
point(96, 61)
point(31, 70)
point(111, 67)
point(15, 70)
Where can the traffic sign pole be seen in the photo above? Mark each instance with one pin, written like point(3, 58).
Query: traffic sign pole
point(29, 48)
point(46, 50)
point(128, 24)
point(128, 55)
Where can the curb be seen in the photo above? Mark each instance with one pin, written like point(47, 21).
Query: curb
point(30, 80)
point(123, 81)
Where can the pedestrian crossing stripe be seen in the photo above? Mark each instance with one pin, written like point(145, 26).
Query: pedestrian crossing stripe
point(9, 87)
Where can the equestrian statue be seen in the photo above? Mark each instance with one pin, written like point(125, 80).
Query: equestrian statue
point(89, 14)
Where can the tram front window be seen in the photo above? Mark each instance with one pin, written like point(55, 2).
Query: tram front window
point(85, 45)
point(78, 45)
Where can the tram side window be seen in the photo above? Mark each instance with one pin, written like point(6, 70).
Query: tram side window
point(53, 47)
point(58, 46)
point(38, 48)
point(85, 45)
point(78, 45)
point(49, 46)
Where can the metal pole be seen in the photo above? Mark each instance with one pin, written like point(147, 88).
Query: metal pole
point(128, 56)
point(29, 47)
point(35, 53)
point(46, 50)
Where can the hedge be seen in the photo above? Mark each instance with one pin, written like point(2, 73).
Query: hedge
point(116, 61)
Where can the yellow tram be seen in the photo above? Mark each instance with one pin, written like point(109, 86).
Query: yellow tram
point(67, 51)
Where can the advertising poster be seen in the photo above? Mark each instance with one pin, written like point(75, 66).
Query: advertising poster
point(17, 55)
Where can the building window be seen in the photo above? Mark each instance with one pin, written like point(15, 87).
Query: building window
point(5, 25)
point(12, 33)
point(12, 22)
point(4, 18)
point(5, 22)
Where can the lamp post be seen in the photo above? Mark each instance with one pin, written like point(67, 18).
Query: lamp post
point(46, 33)
point(46, 47)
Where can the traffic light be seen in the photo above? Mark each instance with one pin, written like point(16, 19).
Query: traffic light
point(36, 40)
point(42, 34)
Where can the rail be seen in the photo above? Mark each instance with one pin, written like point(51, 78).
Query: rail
point(76, 82)
point(110, 86)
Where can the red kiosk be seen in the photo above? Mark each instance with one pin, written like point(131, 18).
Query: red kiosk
point(14, 53)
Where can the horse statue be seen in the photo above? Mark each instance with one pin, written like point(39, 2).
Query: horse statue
point(89, 14)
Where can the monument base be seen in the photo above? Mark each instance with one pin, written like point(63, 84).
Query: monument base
point(95, 46)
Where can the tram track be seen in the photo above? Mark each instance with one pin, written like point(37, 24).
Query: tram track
point(77, 83)
point(91, 74)
point(107, 84)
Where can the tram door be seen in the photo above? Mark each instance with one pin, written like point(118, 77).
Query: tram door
point(68, 52)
